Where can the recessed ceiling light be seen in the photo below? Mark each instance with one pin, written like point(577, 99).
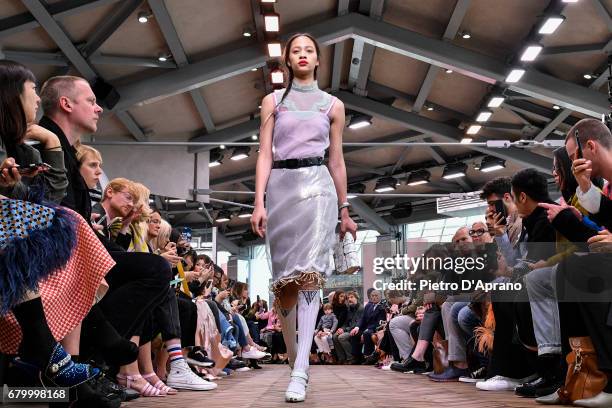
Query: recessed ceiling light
point(253, 69)
point(222, 147)
point(531, 52)
point(466, 140)
point(143, 17)
point(465, 35)
point(495, 101)
point(272, 22)
point(277, 76)
point(449, 71)
point(556, 107)
point(588, 76)
point(430, 108)
point(473, 129)
point(484, 116)
point(275, 50)
point(551, 24)
point(515, 75)
point(254, 137)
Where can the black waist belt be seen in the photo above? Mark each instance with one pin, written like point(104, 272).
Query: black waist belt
point(297, 163)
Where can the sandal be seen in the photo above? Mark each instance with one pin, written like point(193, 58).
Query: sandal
point(148, 390)
point(160, 385)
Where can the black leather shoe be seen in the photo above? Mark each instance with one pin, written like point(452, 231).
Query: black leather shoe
point(372, 358)
point(409, 365)
point(539, 387)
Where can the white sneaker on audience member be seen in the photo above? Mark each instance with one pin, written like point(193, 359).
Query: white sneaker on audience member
point(181, 377)
point(253, 354)
point(501, 383)
point(242, 369)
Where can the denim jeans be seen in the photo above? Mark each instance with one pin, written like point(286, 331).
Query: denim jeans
point(540, 284)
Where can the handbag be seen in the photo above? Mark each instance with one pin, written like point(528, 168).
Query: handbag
point(346, 256)
point(583, 379)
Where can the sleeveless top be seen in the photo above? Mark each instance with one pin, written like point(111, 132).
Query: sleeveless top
point(302, 123)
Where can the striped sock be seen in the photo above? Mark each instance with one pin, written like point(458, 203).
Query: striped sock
point(174, 353)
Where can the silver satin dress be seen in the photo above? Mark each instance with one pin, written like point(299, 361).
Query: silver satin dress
point(302, 204)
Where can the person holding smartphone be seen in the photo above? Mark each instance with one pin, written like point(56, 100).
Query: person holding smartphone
point(503, 220)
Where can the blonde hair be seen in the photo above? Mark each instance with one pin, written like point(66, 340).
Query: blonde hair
point(56, 87)
point(83, 150)
point(163, 237)
point(141, 199)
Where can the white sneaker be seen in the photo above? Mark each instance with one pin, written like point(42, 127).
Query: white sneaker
point(242, 369)
point(296, 391)
point(501, 383)
point(181, 377)
point(253, 354)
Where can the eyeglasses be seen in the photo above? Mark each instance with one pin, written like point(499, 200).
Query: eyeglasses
point(477, 233)
point(127, 196)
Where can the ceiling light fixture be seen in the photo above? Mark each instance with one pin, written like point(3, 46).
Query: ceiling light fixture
point(466, 140)
point(144, 16)
point(495, 101)
point(215, 158)
point(465, 35)
point(245, 213)
point(274, 49)
point(163, 56)
point(531, 52)
point(385, 184)
point(254, 137)
point(449, 71)
point(359, 121)
point(241, 153)
point(223, 216)
point(556, 107)
point(455, 170)
point(473, 129)
point(418, 177)
point(551, 24)
point(515, 75)
point(490, 163)
point(483, 116)
point(272, 22)
point(588, 76)
point(277, 77)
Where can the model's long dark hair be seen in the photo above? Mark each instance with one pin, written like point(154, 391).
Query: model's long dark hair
point(13, 124)
point(287, 64)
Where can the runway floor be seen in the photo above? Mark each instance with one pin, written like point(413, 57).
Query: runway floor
point(337, 386)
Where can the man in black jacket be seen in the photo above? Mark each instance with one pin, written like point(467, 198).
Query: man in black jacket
point(373, 313)
point(341, 338)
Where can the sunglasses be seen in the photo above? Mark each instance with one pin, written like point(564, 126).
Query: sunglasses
point(477, 233)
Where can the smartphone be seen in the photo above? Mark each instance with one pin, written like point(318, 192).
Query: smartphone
point(100, 220)
point(230, 283)
point(501, 209)
point(578, 144)
point(208, 284)
point(30, 168)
